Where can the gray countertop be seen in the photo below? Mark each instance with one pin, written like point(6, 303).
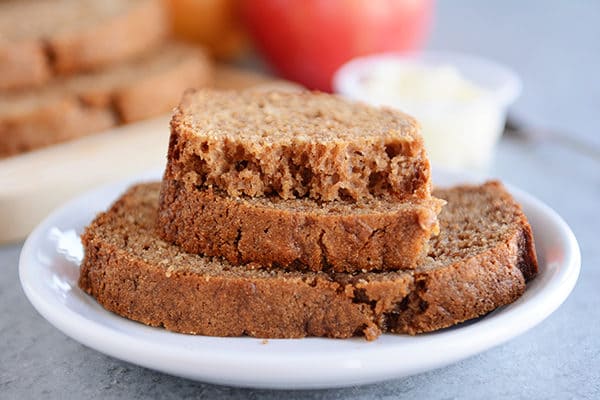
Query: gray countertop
point(560, 358)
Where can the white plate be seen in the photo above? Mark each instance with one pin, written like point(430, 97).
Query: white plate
point(49, 270)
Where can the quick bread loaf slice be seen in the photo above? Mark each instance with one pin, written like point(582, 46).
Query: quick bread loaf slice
point(481, 260)
point(43, 38)
point(301, 234)
point(294, 145)
point(91, 102)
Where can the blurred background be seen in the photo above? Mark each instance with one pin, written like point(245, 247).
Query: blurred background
point(553, 45)
point(505, 88)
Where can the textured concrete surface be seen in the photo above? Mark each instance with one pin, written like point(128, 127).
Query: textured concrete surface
point(556, 48)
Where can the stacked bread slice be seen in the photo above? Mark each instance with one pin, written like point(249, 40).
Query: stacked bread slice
point(73, 67)
point(301, 214)
point(301, 180)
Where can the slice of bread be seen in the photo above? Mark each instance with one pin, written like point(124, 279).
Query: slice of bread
point(296, 144)
point(301, 234)
point(68, 108)
point(480, 261)
point(43, 38)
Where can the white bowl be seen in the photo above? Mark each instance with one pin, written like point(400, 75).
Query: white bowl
point(459, 133)
point(49, 269)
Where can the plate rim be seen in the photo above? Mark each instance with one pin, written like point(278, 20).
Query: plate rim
point(350, 368)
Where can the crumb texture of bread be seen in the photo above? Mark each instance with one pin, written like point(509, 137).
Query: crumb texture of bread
point(41, 39)
point(481, 260)
point(295, 145)
point(297, 234)
point(91, 102)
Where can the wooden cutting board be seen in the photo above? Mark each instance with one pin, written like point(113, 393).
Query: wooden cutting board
point(33, 184)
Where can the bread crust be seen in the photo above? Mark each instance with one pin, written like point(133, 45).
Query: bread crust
point(30, 62)
point(69, 111)
point(131, 272)
point(219, 306)
point(315, 236)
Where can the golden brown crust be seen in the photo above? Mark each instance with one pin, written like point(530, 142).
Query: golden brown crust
point(218, 306)
point(447, 296)
point(297, 234)
point(294, 145)
point(93, 102)
point(30, 61)
point(136, 275)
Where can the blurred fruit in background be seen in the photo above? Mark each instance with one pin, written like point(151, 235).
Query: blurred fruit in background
point(306, 41)
point(216, 24)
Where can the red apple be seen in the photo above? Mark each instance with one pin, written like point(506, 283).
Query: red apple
point(308, 40)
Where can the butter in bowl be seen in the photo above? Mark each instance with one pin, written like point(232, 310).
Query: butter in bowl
point(460, 100)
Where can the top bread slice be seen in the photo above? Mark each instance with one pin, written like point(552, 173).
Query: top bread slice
point(86, 103)
point(296, 145)
point(481, 260)
point(43, 38)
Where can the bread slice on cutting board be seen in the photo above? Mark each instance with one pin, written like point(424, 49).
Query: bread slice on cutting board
point(41, 39)
point(81, 104)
